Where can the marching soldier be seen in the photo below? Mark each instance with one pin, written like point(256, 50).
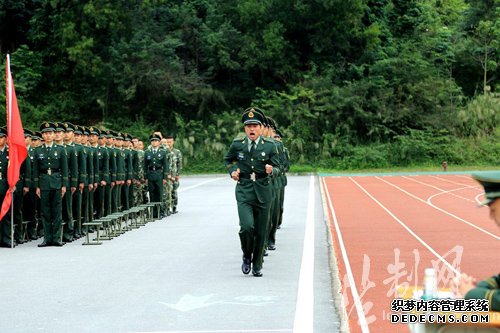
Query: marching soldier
point(50, 172)
point(251, 162)
point(176, 171)
point(286, 164)
point(156, 168)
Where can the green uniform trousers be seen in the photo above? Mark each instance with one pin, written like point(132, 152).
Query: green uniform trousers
point(254, 217)
point(51, 204)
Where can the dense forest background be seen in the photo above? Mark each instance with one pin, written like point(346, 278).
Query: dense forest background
point(352, 84)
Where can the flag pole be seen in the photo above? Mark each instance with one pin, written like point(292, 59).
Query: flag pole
point(9, 117)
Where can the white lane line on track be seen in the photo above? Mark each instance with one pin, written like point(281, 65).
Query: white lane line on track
point(440, 209)
point(200, 184)
point(443, 191)
point(355, 295)
point(456, 183)
point(304, 310)
point(453, 269)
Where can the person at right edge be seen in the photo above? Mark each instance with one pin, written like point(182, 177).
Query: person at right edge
point(488, 289)
point(251, 162)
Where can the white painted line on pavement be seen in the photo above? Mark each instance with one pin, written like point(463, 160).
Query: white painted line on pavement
point(363, 324)
point(200, 184)
point(304, 311)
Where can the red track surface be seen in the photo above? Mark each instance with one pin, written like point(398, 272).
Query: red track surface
point(441, 210)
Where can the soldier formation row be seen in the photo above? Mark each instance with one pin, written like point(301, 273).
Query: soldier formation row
point(75, 174)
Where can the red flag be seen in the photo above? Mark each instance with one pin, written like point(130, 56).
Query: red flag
point(15, 135)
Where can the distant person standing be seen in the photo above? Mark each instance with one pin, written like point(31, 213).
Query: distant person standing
point(50, 173)
point(175, 169)
point(251, 162)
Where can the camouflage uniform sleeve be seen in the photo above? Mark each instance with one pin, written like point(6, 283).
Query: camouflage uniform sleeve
point(179, 163)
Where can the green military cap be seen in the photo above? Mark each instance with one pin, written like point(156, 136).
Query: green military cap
point(108, 133)
point(491, 183)
point(28, 133)
point(93, 130)
point(78, 129)
point(36, 136)
point(278, 133)
point(60, 127)
point(47, 127)
point(3, 131)
point(252, 116)
point(154, 137)
point(127, 137)
point(85, 130)
point(119, 136)
point(272, 123)
point(69, 127)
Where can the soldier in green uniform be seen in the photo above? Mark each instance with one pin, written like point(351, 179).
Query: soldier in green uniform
point(251, 161)
point(29, 204)
point(67, 214)
point(36, 141)
point(50, 173)
point(103, 174)
point(129, 171)
point(176, 157)
point(74, 139)
point(121, 170)
point(110, 188)
point(286, 166)
point(488, 289)
point(277, 186)
point(156, 169)
point(5, 223)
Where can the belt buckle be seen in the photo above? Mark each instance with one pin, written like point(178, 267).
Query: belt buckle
point(154, 168)
point(49, 171)
point(0, 175)
point(252, 176)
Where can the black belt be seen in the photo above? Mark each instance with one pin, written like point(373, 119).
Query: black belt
point(156, 169)
point(253, 176)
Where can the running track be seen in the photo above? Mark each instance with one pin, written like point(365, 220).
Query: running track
point(387, 229)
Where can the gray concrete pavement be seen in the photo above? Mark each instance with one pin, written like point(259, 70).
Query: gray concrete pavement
point(180, 274)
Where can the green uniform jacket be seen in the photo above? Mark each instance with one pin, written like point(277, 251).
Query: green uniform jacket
point(82, 163)
point(155, 164)
point(239, 156)
point(57, 161)
point(121, 168)
point(488, 289)
point(113, 153)
point(72, 165)
point(103, 163)
point(4, 162)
